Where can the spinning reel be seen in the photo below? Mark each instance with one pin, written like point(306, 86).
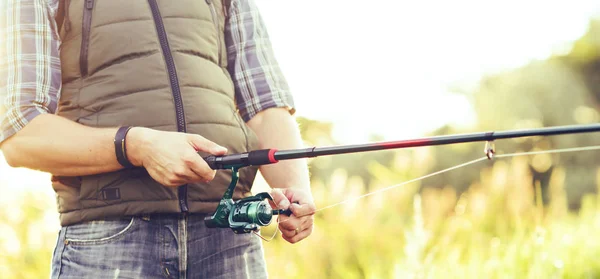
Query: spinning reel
point(245, 215)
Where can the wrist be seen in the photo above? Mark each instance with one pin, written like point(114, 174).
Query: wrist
point(136, 142)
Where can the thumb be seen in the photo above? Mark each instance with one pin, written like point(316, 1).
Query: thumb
point(279, 199)
point(202, 144)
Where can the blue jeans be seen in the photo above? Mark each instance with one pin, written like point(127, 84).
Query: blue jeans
point(156, 246)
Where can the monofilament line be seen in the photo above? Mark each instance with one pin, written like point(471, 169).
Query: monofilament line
point(404, 183)
point(274, 233)
point(564, 150)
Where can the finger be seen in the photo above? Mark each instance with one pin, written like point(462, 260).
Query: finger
point(290, 224)
point(300, 236)
point(287, 192)
point(306, 223)
point(191, 175)
point(288, 233)
point(299, 195)
point(300, 210)
point(164, 179)
point(279, 199)
point(179, 176)
point(201, 144)
point(172, 181)
point(200, 170)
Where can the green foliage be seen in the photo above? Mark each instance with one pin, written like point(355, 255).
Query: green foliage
point(587, 48)
point(28, 233)
point(563, 90)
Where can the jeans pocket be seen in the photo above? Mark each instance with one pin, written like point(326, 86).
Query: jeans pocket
point(99, 232)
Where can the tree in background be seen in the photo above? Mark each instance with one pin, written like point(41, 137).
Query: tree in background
point(562, 90)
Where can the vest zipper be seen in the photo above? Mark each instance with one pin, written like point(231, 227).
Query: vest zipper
point(213, 12)
point(85, 36)
point(166, 50)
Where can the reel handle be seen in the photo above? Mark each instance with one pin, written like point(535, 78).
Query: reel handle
point(252, 158)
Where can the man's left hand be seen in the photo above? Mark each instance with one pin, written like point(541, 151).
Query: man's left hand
point(299, 225)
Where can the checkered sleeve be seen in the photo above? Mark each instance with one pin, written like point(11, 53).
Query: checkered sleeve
point(29, 63)
point(258, 80)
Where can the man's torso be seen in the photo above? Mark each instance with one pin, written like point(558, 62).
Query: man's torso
point(156, 64)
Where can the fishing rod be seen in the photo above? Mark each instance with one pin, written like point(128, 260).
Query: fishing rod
point(248, 214)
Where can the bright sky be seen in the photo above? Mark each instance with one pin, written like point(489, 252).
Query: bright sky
point(385, 66)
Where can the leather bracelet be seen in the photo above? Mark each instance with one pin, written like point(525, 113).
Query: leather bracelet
point(121, 147)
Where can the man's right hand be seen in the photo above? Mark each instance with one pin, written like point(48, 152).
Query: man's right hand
point(54, 144)
point(171, 158)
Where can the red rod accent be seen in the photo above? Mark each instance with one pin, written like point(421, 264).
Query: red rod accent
point(272, 156)
point(405, 143)
point(279, 155)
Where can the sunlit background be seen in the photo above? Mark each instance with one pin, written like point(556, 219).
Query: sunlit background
point(383, 70)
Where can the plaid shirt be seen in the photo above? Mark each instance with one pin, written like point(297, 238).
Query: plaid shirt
point(30, 77)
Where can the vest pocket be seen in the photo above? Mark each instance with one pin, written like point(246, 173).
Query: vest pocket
point(85, 36)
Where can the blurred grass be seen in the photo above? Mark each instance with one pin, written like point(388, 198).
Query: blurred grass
point(28, 231)
point(494, 230)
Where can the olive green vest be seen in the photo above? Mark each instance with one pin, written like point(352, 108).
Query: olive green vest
point(159, 64)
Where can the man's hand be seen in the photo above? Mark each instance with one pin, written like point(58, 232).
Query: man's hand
point(171, 158)
point(299, 225)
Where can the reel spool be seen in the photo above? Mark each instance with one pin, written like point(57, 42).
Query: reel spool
point(243, 216)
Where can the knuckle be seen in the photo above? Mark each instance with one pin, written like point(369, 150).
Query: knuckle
point(294, 223)
point(208, 174)
point(310, 221)
point(169, 182)
point(179, 172)
point(302, 212)
point(200, 139)
point(290, 227)
point(287, 226)
point(173, 180)
point(189, 159)
point(288, 234)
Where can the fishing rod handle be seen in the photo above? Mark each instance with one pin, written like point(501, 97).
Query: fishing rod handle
point(287, 212)
point(252, 158)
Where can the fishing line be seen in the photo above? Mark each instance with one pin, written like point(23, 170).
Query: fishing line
point(403, 183)
point(508, 155)
point(564, 150)
point(274, 233)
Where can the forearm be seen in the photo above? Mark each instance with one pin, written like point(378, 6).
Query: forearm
point(276, 128)
point(59, 146)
